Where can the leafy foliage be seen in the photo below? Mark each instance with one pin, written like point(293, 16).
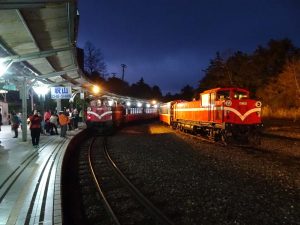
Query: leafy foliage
point(261, 70)
point(118, 86)
point(283, 91)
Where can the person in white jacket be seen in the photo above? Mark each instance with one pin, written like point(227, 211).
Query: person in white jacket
point(53, 123)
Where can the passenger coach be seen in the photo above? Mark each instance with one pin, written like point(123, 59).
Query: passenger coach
point(106, 114)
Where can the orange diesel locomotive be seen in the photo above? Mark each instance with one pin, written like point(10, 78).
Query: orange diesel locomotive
point(220, 113)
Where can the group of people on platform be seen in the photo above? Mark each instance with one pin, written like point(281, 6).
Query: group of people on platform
point(50, 122)
point(47, 124)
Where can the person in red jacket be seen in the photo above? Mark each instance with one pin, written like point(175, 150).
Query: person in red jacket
point(35, 128)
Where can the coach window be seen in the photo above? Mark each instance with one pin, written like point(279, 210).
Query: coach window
point(164, 110)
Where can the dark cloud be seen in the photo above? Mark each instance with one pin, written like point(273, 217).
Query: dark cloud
point(170, 42)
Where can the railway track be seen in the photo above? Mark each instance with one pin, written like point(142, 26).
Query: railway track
point(97, 192)
point(124, 202)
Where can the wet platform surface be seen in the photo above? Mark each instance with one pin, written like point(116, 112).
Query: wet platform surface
point(30, 178)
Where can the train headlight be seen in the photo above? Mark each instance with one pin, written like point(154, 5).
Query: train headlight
point(111, 102)
point(258, 104)
point(228, 102)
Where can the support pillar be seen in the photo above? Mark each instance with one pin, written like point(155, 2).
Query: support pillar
point(58, 105)
point(24, 94)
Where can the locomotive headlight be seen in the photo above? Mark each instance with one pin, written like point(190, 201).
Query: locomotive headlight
point(258, 104)
point(111, 102)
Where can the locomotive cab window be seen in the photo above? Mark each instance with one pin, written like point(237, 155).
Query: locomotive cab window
point(240, 95)
point(93, 103)
point(99, 103)
point(223, 95)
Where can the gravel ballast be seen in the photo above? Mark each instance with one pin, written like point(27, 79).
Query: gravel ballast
point(195, 182)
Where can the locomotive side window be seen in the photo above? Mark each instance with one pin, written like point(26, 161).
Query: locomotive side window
point(205, 100)
point(212, 98)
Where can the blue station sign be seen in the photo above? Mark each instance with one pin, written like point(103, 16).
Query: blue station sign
point(61, 92)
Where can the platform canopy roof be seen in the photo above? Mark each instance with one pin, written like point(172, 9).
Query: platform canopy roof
point(38, 43)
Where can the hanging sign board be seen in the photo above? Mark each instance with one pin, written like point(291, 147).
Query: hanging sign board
point(8, 87)
point(82, 95)
point(61, 92)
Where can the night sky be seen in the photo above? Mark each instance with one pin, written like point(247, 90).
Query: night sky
point(170, 42)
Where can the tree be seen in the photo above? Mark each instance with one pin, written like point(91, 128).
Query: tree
point(141, 90)
point(156, 93)
point(251, 71)
point(270, 61)
point(118, 86)
point(94, 61)
point(214, 74)
point(187, 92)
point(282, 91)
point(168, 97)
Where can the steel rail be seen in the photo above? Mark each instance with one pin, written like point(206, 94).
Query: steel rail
point(140, 197)
point(106, 203)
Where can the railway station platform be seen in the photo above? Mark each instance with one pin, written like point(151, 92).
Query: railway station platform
point(30, 178)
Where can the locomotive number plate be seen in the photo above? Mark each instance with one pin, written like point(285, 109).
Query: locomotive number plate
point(243, 103)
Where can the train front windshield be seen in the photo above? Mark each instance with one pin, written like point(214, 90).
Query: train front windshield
point(240, 95)
point(227, 94)
point(99, 103)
